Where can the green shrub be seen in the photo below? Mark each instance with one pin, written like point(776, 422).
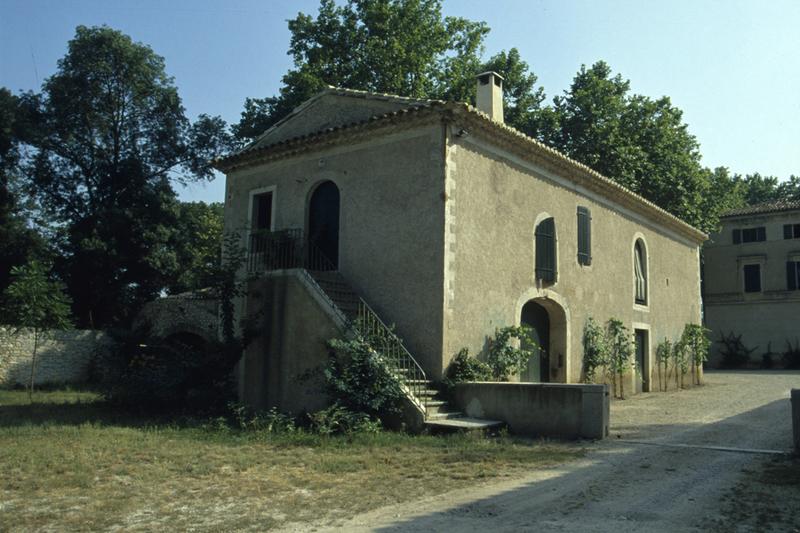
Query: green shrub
point(357, 379)
point(663, 357)
point(270, 421)
point(338, 419)
point(695, 343)
point(180, 374)
point(595, 349)
point(505, 360)
point(463, 367)
point(620, 351)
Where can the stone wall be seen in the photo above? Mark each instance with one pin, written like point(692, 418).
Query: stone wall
point(182, 313)
point(64, 356)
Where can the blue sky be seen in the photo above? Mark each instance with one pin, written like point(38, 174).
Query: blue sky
point(733, 67)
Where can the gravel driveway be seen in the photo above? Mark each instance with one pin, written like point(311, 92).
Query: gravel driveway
point(670, 465)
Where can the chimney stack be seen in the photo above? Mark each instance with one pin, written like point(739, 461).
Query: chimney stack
point(489, 97)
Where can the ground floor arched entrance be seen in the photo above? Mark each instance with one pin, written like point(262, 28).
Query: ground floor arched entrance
point(548, 323)
point(535, 317)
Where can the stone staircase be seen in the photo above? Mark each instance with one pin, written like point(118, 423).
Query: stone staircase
point(438, 413)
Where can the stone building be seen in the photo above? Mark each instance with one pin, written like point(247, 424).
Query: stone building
point(752, 279)
point(440, 219)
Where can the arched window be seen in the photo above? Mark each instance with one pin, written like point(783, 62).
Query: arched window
point(640, 272)
point(546, 261)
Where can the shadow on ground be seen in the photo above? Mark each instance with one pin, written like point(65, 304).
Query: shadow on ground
point(627, 487)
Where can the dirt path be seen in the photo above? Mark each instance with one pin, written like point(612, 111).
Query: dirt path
point(666, 467)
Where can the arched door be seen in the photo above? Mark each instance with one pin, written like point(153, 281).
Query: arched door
point(535, 316)
point(323, 224)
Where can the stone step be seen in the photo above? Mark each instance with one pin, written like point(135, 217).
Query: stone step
point(464, 423)
point(443, 415)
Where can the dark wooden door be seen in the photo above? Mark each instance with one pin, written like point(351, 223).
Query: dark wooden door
point(323, 221)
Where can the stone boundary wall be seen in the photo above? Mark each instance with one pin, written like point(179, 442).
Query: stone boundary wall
point(64, 356)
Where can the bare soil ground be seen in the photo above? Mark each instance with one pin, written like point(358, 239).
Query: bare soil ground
point(705, 459)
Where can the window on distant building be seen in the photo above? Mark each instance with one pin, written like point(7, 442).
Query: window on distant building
point(791, 231)
point(749, 235)
point(546, 261)
point(584, 236)
point(640, 272)
point(793, 275)
point(752, 277)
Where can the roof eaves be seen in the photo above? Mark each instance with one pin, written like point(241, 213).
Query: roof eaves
point(611, 187)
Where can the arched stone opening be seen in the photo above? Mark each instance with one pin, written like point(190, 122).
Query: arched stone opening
point(550, 322)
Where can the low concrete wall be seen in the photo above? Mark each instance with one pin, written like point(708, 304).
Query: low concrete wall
point(64, 356)
point(539, 409)
point(796, 419)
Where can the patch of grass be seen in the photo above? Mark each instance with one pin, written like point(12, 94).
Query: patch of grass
point(70, 462)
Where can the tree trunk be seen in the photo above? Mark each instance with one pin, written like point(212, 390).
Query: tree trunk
point(33, 364)
point(621, 387)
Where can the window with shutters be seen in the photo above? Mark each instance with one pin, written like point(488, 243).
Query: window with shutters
point(752, 277)
point(791, 231)
point(546, 260)
point(640, 272)
point(749, 235)
point(584, 236)
point(793, 275)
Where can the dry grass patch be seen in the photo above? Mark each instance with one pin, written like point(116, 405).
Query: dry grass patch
point(69, 463)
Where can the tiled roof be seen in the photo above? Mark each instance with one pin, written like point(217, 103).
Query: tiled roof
point(766, 207)
point(252, 154)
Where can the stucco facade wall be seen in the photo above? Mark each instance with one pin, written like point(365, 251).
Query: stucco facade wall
point(494, 202)
point(64, 356)
point(278, 368)
point(391, 223)
point(765, 319)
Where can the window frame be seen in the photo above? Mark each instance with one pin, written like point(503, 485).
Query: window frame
point(640, 258)
point(793, 272)
point(759, 265)
point(272, 189)
point(791, 231)
point(751, 234)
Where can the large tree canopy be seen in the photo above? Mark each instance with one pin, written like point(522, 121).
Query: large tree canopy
point(401, 47)
point(407, 47)
point(19, 242)
point(109, 134)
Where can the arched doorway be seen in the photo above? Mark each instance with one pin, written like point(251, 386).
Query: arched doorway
point(323, 225)
point(536, 317)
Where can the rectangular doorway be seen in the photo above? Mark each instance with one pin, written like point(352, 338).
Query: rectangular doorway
point(642, 352)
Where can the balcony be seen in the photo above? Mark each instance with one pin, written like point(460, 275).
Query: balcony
point(284, 249)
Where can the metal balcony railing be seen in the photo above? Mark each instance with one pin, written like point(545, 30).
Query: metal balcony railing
point(277, 250)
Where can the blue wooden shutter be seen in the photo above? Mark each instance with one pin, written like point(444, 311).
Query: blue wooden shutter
point(791, 275)
point(737, 236)
point(787, 231)
point(546, 250)
point(584, 236)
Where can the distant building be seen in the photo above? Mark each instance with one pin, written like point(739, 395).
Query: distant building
point(752, 279)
